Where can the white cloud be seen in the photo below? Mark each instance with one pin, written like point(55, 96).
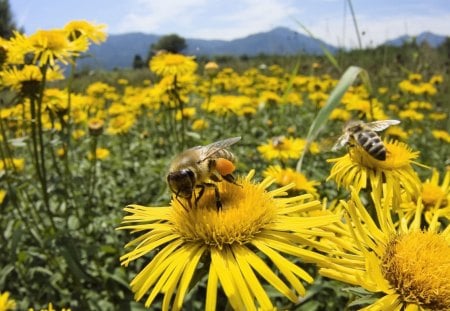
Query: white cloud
point(378, 30)
point(207, 19)
point(156, 15)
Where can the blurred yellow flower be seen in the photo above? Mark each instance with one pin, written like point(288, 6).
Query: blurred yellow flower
point(282, 148)
point(82, 28)
point(200, 124)
point(186, 113)
point(6, 303)
point(240, 245)
point(120, 124)
point(286, 176)
point(168, 64)
point(15, 164)
point(100, 154)
point(2, 198)
point(411, 115)
point(441, 135)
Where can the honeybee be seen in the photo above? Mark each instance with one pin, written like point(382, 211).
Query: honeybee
point(364, 134)
point(278, 141)
point(198, 166)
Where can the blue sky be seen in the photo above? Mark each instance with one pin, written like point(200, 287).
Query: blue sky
point(329, 20)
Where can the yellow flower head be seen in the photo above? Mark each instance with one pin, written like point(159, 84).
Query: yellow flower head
point(168, 64)
point(357, 167)
point(199, 125)
point(6, 303)
point(286, 176)
point(51, 45)
point(441, 135)
point(282, 148)
point(80, 28)
point(230, 243)
point(100, 154)
point(405, 267)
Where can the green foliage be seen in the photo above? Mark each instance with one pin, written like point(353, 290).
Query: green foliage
point(7, 24)
point(172, 43)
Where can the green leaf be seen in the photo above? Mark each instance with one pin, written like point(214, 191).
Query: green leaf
point(347, 79)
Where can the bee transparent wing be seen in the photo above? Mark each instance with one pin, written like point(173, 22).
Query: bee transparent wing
point(381, 125)
point(209, 150)
point(341, 142)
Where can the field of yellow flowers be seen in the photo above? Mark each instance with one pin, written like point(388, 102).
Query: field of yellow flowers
point(88, 221)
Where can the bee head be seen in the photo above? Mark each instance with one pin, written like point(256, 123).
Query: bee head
point(182, 183)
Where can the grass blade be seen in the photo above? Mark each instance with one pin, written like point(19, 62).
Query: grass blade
point(333, 101)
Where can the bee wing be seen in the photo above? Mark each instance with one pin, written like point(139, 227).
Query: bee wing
point(381, 125)
point(341, 141)
point(211, 149)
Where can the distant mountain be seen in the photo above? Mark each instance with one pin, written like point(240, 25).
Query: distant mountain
point(432, 39)
point(118, 51)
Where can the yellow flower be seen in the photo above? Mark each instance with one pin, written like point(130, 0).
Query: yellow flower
point(437, 116)
point(51, 308)
point(436, 79)
point(411, 114)
point(28, 78)
point(6, 303)
point(3, 194)
point(100, 154)
point(404, 267)
point(287, 176)
point(120, 124)
point(283, 148)
point(186, 113)
point(225, 104)
point(235, 245)
point(435, 198)
point(78, 28)
point(340, 114)
point(168, 64)
point(358, 167)
point(396, 131)
point(200, 124)
point(47, 46)
point(12, 164)
point(442, 135)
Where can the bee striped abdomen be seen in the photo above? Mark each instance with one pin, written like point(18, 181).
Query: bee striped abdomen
point(372, 143)
point(225, 154)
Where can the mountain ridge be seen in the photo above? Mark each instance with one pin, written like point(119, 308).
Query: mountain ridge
point(119, 50)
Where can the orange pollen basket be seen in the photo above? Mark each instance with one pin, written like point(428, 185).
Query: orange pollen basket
point(224, 166)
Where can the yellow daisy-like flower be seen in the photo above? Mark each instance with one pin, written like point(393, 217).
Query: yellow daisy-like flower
point(121, 124)
point(404, 267)
point(27, 79)
point(77, 28)
point(51, 308)
point(199, 125)
point(48, 46)
point(6, 303)
point(12, 164)
point(3, 194)
point(100, 154)
point(442, 135)
point(358, 167)
point(168, 64)
point(435, 197)
point(234, 245)
point(286, 176)
point(282, 148)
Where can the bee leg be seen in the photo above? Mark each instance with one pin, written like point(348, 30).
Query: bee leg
point(216, 194)
point(230, 178)
point(200, 194)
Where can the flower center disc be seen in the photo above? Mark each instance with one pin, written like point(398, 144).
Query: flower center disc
point(417, 265)
point(246, 209)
